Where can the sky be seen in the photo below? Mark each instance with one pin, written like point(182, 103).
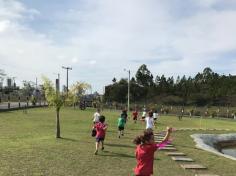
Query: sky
point(99, 38)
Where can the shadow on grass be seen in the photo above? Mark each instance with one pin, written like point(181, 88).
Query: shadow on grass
point(189, 147)
point(114, 154)
point(68, 139)
point(119, 145)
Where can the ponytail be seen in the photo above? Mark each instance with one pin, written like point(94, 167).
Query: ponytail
point(138, 140)
point(146, 137)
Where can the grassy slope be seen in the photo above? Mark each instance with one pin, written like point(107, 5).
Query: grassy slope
point(28, 145)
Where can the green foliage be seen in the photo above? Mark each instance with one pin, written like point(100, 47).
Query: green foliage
point(144, 76)
point(206, 88)
point(76, 92)
point(53, 97)
point(28, 88)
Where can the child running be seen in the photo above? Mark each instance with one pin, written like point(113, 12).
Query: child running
point(145, 151)
point(101, 133)
point(149, 120)
point(144, 114)
point(124, 115)
point(121, 126)
point(135, 116)
point(155, 116)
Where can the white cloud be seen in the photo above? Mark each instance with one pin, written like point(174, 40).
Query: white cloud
point(92, 62)
point(206, 3)
point(117, 35)
point(4, 25)
point(74, 60)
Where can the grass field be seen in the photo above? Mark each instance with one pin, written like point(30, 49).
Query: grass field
point(28, 145)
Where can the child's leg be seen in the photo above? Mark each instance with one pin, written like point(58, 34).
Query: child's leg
point(102, 145)
point(97, 146)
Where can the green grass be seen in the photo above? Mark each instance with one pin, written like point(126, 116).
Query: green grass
point(28, 145)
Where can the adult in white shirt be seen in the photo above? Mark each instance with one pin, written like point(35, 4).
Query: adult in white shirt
point(96, 116)
point(149, 121)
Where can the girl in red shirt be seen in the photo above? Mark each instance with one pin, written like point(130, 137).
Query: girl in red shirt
point(145, 152)
point(135, 116)
point(100, 133)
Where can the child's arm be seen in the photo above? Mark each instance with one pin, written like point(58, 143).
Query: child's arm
point(166, 138)
point(94, 126)
point(153, 123)
point(165, 141)
point(105, 127)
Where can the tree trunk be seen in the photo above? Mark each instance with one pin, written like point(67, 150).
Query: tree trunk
point(58, 131)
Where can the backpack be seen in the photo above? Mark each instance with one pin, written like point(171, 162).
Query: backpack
point(93, 132)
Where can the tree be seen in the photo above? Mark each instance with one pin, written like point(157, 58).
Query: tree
point(55, 99)
point(144, 77)
point(114, 80)
point(28, 88)
point(76, 92)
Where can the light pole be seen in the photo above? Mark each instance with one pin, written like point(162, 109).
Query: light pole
point(128, 103)
point(67, 68)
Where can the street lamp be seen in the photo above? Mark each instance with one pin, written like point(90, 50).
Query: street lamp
point(128, 89)
point(67, 68)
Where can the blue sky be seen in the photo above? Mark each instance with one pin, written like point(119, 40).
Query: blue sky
point(99, 38)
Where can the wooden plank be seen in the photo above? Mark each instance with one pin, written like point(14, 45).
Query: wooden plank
point(175, 154)
point(206, 175)
point(169, 145)
point(192, 166)
point(158, 141)
point(168, 148)
point(163, 135)
point(179, 158)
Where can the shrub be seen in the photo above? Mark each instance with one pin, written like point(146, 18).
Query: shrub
point(213, 114)
point(197, 113)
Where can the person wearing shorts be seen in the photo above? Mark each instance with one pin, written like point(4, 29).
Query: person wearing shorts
point(101, 133)
point(121, 126)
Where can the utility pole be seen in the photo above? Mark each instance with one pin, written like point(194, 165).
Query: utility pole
point(128, 90)
point(67, 69)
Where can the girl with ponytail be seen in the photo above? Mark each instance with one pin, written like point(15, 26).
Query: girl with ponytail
point(145, 149)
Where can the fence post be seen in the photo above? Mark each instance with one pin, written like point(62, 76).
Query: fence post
point(19, 101)
point(27, 101)
point(9, 104)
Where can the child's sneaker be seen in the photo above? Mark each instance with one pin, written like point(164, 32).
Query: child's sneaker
point(102, 148)
point(96, 152)
point(119, 136)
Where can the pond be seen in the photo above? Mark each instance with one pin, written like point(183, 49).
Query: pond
point(229, 151)
point(220, 144)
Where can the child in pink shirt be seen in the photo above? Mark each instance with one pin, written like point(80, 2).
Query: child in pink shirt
point(101, 133)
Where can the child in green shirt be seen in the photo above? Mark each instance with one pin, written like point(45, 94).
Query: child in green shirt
point(121, 126)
